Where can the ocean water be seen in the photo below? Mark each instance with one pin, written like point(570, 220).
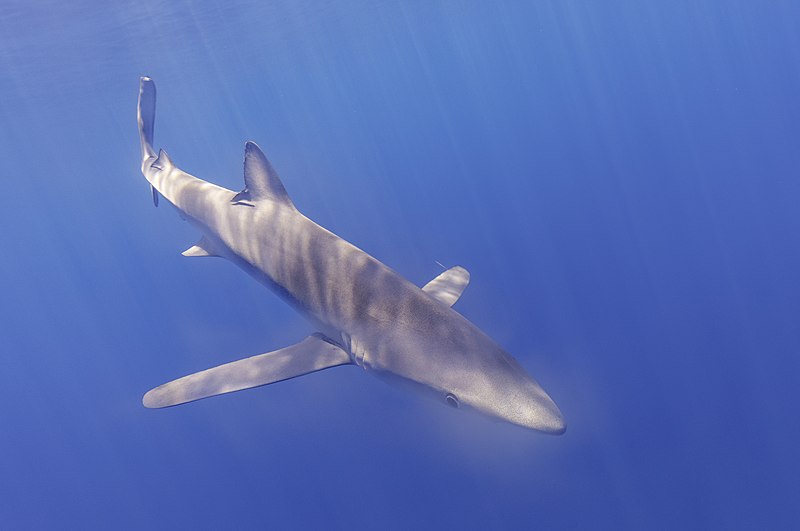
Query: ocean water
point(620, 178)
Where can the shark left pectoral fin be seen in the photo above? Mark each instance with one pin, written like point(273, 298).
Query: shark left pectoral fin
point(448, 286)
point(310, 355)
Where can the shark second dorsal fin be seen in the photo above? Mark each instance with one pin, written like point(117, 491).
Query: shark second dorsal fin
point(162, 162)
point(261, 181)
point(203, 248)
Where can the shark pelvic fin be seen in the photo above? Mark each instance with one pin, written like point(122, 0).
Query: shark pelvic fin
point(203, 248)
point(310, 355)
point(261, 181)
point(448, 286)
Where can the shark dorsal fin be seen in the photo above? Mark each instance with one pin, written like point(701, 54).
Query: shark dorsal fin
point(261, 181)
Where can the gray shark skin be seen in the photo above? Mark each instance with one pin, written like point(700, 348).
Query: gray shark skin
point(365, 313)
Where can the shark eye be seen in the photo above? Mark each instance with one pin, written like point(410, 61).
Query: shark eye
point(451, 400)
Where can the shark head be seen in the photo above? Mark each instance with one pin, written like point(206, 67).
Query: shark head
point(465, 369)
point(512, 395)
point(497, 386)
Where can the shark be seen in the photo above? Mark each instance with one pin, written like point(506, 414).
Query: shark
point(363, 313)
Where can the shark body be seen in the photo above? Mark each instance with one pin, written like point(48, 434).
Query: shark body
point(365, 313)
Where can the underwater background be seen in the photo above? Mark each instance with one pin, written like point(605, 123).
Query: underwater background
point(619, 177)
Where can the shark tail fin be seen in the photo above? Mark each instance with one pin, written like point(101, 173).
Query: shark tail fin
point(146, 117)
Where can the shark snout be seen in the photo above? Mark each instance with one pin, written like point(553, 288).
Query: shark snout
point(546, 417)
point(506, 392)
point(531, 407)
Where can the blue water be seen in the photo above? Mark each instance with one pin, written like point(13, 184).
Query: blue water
point(620, 178)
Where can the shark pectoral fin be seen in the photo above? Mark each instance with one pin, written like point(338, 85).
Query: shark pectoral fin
point(203, 248)
point(448, 286)
point(310, 355)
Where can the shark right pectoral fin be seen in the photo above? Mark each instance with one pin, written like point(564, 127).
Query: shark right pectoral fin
point(448, 286)
point(310, 355)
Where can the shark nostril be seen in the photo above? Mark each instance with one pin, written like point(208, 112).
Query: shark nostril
point(451, 400)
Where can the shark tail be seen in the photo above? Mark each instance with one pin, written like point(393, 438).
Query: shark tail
point(146, 117)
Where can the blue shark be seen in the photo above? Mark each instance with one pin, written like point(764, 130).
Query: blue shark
point(363, 313)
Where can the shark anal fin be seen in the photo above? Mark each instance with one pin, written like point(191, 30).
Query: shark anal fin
point(261, 181)
point(310, 355)
point(203, 248)
point(155, 195)
point(448, 286)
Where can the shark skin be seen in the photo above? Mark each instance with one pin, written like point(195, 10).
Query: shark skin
point(364, 313)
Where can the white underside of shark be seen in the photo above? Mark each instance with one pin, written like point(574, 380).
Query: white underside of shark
point(365, 313)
